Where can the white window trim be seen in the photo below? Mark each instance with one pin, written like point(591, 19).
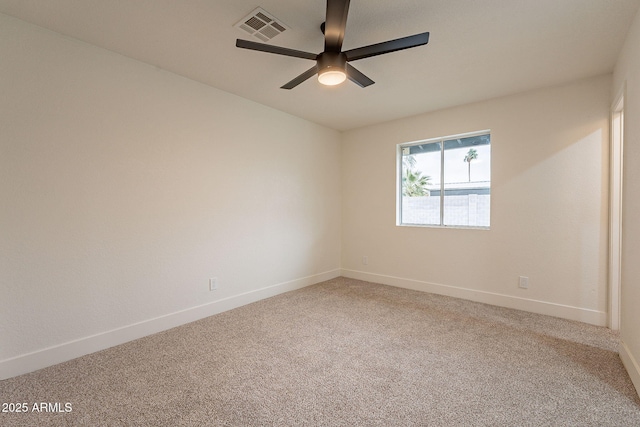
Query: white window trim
point(440, 139)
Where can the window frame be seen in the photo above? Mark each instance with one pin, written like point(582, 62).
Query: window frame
point(399, 172)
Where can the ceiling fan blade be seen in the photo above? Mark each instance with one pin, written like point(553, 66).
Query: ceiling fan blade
point(335, 24)
point(246, 44)
point(357, 77)
point(301, 78)
point(387, 47)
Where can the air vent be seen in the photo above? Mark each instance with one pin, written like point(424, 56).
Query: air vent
point(261, 24)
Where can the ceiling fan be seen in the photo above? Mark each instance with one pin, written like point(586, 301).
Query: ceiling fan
point(332, 65)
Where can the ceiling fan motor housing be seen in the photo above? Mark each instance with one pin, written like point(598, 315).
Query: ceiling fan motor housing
point(332, 61)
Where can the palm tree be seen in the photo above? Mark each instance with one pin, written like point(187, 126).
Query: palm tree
point(409, 161)
point(414, 184)
point(472, 154)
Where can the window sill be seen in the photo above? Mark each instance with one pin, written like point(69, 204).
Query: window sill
point(454, 227)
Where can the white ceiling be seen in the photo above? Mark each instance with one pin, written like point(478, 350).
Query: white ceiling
point(478, 49)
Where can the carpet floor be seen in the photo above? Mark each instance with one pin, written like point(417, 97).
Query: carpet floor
point(343, 353)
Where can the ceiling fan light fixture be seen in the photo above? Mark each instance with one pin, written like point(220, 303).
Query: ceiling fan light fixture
point(332, 76)
point(332, 68)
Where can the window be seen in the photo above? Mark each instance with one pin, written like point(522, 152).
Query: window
point(445, 181)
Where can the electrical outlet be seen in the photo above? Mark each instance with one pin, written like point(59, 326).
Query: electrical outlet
point(213, 283)
point(523, 282)
point(365, 260)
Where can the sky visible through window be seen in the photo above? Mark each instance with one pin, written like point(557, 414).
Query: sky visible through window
point(456, 169)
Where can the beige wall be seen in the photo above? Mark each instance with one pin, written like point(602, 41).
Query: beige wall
point(548, 205)
point(124, 188)
point(627, 74)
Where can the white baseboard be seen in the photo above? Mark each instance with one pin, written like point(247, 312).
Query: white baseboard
point(70, 350)
point(630, 364)
point(593, 317)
